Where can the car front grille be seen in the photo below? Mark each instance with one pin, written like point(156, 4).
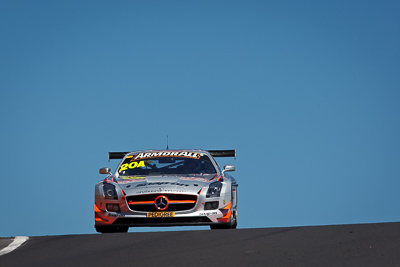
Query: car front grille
point(176, 202)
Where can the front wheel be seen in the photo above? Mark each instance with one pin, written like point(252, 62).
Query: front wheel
point(231, 225)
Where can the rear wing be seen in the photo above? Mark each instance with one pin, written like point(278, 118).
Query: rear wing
point(223, 153)
point(214, 153)
point(116, 155)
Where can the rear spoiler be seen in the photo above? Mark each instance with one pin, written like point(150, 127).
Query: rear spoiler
point(223, 153)
point(116, 155)
point(214, 153)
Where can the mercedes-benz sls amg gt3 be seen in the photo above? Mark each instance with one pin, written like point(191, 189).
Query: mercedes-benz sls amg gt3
point(166, 188)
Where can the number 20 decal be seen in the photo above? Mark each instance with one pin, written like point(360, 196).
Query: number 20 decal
point(131, 165)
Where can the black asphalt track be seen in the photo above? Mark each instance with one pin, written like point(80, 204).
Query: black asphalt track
point(339, 245)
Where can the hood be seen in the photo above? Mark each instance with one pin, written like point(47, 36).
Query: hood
point(163, 184)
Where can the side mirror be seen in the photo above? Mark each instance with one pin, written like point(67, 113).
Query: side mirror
point(105, 170)
point(229, 168)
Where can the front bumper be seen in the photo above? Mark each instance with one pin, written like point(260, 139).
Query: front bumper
point(208, 217)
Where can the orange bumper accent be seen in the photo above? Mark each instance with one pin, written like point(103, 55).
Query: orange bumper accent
point(226, 212)
point(96, 209)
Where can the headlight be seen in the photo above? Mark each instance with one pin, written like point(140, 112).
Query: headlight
point(109, 191)
point(214, 190)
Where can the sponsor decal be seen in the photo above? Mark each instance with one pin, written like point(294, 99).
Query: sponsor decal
point(184, 154)
point(132, 177)
point(194, 179)
point(161, 183)
point(161, 190)
point(150, 191)
point(208, 213)
point(160, 214)
point(130, 181)
point(115, 215)
point(131, 165)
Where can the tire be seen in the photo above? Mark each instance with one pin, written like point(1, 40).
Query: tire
point(231, 225)
point(234, 224)
point(112, 229)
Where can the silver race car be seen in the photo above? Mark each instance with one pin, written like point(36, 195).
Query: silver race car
point(166, 188)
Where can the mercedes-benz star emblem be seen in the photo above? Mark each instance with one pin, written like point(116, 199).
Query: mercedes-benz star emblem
point(161, 202)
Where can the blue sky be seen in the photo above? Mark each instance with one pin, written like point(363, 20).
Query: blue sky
point(306, 91)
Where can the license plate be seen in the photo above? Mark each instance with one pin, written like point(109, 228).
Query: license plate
point(160, 214)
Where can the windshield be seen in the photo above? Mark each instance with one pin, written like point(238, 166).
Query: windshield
point(175, 165)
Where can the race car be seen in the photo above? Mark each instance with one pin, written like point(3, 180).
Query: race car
point(166, 188)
